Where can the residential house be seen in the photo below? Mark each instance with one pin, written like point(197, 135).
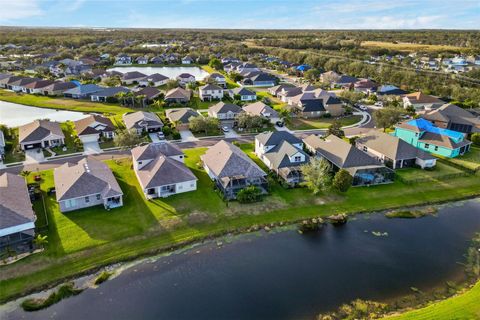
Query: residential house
point(389, 90)
point(149, 93)
point(82, 91)
point(40, 134)
point(421, 101)
point(58, 88)
point(142, 121)
point(4, 78)
point(178, 95)
point(244, 94)
point(261, 79)
point(181, 117)
point(218, 79)
point(394, 152)
point(132, 77)
point(261, 109)
point(154, 80)
point(315, 104)
point(282, 153)
point(232, 170)
point(19, 84)
point(86, 184)
point(141, 60)
point(274, 91)
point(156, 60)
point(224, 111)
point(7, 81)
point(210, 92)
point(107, 93)
point(123, 59)
point(185, 78)
point(345, 81)
point(161, 171)
point(364, 169)
point(91, 128)
point(246, 67)
point(452, 117)
point(37, 86)
point(187, 60)
point(366, 86)
point(17, 218)
point(422, 134)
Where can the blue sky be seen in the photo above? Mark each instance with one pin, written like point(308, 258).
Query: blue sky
point(244, 14)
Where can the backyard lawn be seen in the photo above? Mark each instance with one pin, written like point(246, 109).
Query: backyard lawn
point(464, 306)
point(230, 83)
point(440, 172)
point(85, 239)
point(276, 104)
point(322, 123)
point(469, 160)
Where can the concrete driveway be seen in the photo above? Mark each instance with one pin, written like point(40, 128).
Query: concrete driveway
point(91, 148)
point(34, 156)
point(231, 134)
point(187, 136)
point(153, 136)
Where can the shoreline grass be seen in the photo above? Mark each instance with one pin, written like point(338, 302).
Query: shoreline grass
point(63, 292)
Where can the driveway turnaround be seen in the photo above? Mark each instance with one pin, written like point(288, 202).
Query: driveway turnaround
point(91, 148)
point(34, 156)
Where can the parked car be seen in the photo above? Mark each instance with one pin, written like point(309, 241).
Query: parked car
point(378, 104)
point(279, 123)
point(225, 129)
point(362, 107)
point(160, 135)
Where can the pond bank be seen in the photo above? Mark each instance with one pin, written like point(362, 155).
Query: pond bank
point(405, 237)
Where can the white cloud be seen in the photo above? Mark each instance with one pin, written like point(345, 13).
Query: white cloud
point(400, 22)
point(20, 9)
point(74, 5)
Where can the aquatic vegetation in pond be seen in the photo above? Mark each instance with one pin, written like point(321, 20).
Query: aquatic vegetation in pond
point(63, 292)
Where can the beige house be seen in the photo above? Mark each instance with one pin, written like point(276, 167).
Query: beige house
point(86, 184)
point(40, 134)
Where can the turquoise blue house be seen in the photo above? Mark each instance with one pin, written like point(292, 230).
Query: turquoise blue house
point(424, 135)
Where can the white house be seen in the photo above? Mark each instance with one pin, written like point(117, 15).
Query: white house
point(224, 111)
point(185, 78)
point(210, 92)
point(40, 134)
point(245, 94)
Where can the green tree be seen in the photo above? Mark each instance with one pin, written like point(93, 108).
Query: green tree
point(249, 194)
point(126, 139)
point(386, 117)
point(316, 175)
point(476, 139)
point(215, 64)
point(336, 129)
point(25, 174)
point(312, 74)
point(342, 180)
point(40, 241)
point(171, 84)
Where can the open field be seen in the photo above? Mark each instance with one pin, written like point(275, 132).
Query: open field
point(410, 47)
point(464, 306)
point(322, 123)
point(87, 239)
point(441, 171)
point(470, 160)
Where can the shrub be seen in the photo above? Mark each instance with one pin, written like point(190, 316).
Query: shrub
point(104, 276)
point(176, 135)
point(63, 292)
point(476, 139)
point(342, 181)
point(249, 194)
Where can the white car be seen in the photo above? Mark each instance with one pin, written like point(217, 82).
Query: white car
point(225, 129)
point(362, 107)
point(378, 104)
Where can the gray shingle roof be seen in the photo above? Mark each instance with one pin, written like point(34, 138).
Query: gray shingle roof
point(164, 171)
point(258, 108)
point(87, 177)
point(223, 107)
point(133, 75)
point(339, 152)
point(181, 115)
point(272, 138)
point(226, 160)
point(140, 119)
point(178, 93)
point(83, 126)
point(392, 147)
point(279, 156)
point(243, 92)
point(84, 89)
point(153, 150)
point(38, 130)
point(15, 206)
point(110, 92)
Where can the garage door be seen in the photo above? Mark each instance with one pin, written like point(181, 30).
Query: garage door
point(33, 146)
point(89, 138)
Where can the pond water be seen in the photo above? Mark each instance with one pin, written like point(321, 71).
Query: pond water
point(171, 72)
point(14, 115)
point(284, 275)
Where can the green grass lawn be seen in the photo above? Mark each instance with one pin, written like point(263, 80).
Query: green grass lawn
point(464, 306)
point(72, 142)
point(276, 104)
point(230, 83)
point(85, 239)
point(321, 123)
point(441, 170)
point(469, 160)
point(62, 103)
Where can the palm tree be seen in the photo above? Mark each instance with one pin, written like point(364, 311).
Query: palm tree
point(141, 98)
point(121, 97)
point(25, 174)
point(157, 103)
point(40, 241)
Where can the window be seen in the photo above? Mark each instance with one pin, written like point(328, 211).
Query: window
point(192, 185)
point(416, 134)
point(297, 159)
point(427, 145)
point(436, 148)
point(98, 196)
point(87, 199)
point(139, 162)
point(70, 203)
point(365, 149)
